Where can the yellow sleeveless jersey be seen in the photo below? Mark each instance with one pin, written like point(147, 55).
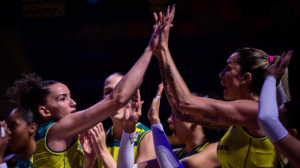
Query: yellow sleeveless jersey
point(183, 153)
point(44, 157)
point(113, 145)
point(239, 149)
point(15, 162)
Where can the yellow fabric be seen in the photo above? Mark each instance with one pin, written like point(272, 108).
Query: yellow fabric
point(238, 149)
point(114, 145)
point(46, 158)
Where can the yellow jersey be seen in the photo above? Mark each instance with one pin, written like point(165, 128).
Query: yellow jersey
point(238, 148)
point(16, 162)
point(44, 157)
point(113, 145)
point(183, 153)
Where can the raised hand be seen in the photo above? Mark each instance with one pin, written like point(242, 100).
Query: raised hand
point(164, 37)
point(153, 113)
point(170, 14)
point(133, 112)
point(99, 139)
point(3, 140)
point(87, 146)
point(277, 69)
point(161, 22)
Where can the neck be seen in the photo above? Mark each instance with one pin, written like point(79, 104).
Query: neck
point(118, 128)
point(249, 95)
point(28, 150)
point(195, 141)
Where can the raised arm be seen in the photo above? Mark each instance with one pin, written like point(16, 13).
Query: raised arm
point(203, 111)
point(71, 124)
point(268, 119)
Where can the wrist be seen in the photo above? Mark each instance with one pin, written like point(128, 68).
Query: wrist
point(129, 128)
point(155, 121)
point(104, 152)
point(149, 49)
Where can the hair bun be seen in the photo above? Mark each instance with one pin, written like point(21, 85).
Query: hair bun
point(21, 89)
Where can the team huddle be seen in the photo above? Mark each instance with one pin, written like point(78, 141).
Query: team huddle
point(258, 129)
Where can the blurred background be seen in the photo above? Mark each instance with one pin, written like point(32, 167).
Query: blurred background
point(81, 42)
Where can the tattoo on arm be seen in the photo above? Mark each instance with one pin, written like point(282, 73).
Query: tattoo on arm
point(210, 117)
point(165, 82)
point(170, 73)
point(186, 118)
point(230, 121)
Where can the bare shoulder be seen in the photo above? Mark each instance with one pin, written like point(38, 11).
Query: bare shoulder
point(206, 158)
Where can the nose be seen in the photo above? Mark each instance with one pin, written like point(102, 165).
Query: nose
point(72, 103)
point(221, 75)
point(170, 119)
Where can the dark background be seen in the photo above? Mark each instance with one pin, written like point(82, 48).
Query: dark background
point(80, 42)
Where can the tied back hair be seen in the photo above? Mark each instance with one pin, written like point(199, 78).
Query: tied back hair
point(29, 92)
point(257, 63)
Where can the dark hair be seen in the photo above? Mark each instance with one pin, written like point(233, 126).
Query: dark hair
point(293, 114)
point(27, 116)
point(257, 62)
point(29, 92)
point(212, 135)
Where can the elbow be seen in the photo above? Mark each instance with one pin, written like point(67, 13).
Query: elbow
point(182, 105)
point(119, 99)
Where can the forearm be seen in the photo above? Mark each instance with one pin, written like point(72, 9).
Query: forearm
point(167, 88)
point(177, 85)
point(133, 79)
point(126, 153)
point(268, 112)
point(76, 122)
point(280, 95)
point(107, 160)
point(90, 163)
point(164, 153)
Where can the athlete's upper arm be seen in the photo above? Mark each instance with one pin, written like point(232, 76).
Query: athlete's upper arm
point(62, 132)
point(225, 113)
point(206, 158)
point(289, 147)
point(146, 148)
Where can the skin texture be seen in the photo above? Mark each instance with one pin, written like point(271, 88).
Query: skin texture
point(205, 111)
point(191, 134)
point(3, 141)
point(289, 146)
point(118, 123)
point(20, 135)
point(62, 109)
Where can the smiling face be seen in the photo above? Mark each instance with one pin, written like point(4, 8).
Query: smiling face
point(109, 85)
point(182, 131)
point(20, 133)
point(231, 79)
point(59, 102)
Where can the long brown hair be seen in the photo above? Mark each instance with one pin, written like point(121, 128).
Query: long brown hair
point(257, 63)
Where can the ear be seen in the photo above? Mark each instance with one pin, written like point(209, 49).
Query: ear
point(33, 128)
point(193, 126)
point(293, 132)
point(44, 112)
point(247, 78)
